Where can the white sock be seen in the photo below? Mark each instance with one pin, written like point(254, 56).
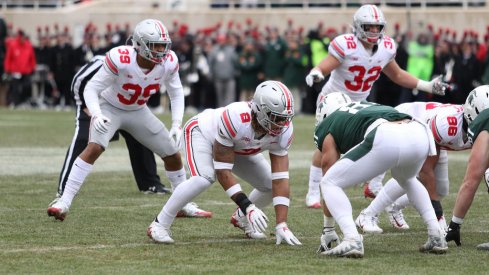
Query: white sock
point(315, 176)
point(418, 195)
point(185, 192)
point(391, 191)
point(340, 207)
point(401, 202)
point(176, 177)
point(260, 199)
point(79, 172)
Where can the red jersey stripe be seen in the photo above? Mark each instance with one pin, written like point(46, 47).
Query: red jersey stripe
point(110, 64)
point(188, 147)
point(338, 49)
point(434, 130)
point(228, 123)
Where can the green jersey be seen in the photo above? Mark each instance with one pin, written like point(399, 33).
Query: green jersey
point(480, 123)
point(349, 123)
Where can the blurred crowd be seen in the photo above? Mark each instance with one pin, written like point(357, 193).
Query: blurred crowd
point(224, 62)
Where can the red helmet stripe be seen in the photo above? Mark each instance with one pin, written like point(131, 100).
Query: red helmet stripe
point(376, 13)
point(162, 29)
point(288, 97)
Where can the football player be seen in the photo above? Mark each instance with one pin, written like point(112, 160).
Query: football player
point(228, 141)
point(116, 100)
point(477, 116)
point(448, 126)
point(355, 61)
point(373, 139)
point(142, 159)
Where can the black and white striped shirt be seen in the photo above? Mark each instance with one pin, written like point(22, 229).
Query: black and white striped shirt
point(82, 77)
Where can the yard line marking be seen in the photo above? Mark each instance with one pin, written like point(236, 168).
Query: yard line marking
point(16, 161)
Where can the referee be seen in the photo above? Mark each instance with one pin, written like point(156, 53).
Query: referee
point(142, 159)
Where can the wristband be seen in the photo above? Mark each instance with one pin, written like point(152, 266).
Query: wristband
point(242, 201)
point(280, 175)
point(223, 165)
point(233, 190)
point(281, 201)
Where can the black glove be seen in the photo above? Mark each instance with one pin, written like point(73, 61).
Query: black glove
point(453, 233)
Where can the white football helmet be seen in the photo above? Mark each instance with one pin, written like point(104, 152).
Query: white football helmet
point(147, 34)
point(273, 106)
point(330, 103)
point(365, 16)
point(476, 102)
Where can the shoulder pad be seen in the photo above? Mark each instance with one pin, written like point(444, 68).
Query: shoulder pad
point(118, 58)
point(171, 62)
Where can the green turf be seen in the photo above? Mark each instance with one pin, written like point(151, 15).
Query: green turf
point(105, 231)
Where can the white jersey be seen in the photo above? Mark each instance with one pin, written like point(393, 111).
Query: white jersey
point(123, 84)
point(444, 120)
point(359, 69)
point(231, 126)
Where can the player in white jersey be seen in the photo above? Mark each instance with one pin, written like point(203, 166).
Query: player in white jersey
point(448, 126)
point(116, 99)
point(355, 62)
point(228, 141)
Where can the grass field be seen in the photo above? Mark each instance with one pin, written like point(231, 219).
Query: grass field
point(105, 232)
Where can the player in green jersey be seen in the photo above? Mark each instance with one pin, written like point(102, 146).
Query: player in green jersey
point(477, 115)
point(373, 139)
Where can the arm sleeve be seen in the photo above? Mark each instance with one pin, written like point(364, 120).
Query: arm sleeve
point(100, 81)
point(175, 91)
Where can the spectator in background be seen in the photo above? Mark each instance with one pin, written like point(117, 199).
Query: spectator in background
point(63, 67)
point(19, 64)
point(274, 56)
point(250, 65)
point(420, 65)
point(223, 61)
point(3, 36)
point(294, 72)
point(466, 72)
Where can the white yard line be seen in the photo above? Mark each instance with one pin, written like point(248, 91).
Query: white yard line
point(18, 161)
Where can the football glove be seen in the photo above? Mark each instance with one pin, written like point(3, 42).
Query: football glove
point(257, 219)
point(101, 123)
point(176, 133)
point(313, 77)
point(453, 233)
point(282, 232)
point(438, 86)
point(328, 237)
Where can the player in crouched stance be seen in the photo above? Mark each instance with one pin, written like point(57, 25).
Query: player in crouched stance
point(449, 128)
point(229, 140)
point(116, 98)
point(373, 139)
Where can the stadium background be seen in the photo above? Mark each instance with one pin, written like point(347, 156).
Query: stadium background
point(105, 232)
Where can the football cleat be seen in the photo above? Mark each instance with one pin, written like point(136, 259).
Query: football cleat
point(240, 221)
point(367, 192)
point(396, 218)
point(328, 238)
point(350, 248)
point(483, 246)
point(313, 200)
point(158, 189)
point(435, 244)
point(159, 233)
point(368, 223)
point(192, 210)
point(58, 209)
